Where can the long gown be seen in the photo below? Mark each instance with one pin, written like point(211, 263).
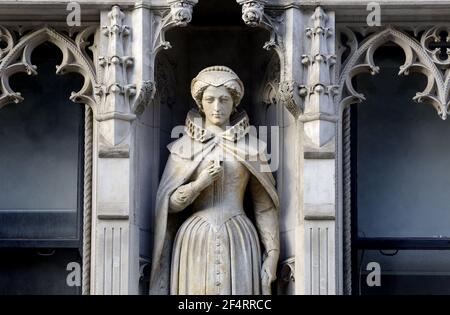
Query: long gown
point(217, 249)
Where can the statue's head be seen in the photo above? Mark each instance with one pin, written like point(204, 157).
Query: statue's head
point(217, 90)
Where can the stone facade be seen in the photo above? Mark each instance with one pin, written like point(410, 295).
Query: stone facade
point(316, 48)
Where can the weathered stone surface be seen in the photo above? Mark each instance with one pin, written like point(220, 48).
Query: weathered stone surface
point(217, 248)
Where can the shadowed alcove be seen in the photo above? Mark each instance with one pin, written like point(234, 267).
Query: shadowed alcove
point(216, 36)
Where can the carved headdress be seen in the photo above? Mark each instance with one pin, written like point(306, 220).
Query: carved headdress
point(217, 76)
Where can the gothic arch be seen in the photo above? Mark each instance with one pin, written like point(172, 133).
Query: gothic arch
point(418, 58)
point(18, 59)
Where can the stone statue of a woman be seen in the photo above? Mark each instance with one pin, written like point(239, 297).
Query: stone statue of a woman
point(217, 249)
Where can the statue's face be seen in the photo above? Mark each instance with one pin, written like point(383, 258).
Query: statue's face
point(217, 105)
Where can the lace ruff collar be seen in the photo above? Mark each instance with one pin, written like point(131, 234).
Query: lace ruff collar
point(194, 128)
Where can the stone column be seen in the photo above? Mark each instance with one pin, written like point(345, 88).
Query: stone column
point(308, 182)
point(317, 229)
point(290, 175)
point(128, 44)
point(304, 40)
point(115, 267)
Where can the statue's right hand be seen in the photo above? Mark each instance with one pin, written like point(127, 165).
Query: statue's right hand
point(210, 173)
point(185, 194)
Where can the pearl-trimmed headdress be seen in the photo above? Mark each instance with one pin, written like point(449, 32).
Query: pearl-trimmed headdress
point(217, 76)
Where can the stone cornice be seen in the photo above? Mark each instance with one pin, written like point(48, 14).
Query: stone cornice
point(328, 4)
point(347, 11)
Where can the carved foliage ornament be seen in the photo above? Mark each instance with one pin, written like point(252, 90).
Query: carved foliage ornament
point(119, 98)
point(419, 57)
point(114, 90)
point(313, 100)
point(16, 57)
point(289, 94)
point(319, 66)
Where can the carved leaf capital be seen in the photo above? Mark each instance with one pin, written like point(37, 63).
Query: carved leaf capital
point(290, 94)
point(144, 96)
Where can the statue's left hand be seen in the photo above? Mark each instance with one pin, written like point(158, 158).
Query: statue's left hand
point(269, 272)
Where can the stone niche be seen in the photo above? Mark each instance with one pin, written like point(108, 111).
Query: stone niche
point(216, 36)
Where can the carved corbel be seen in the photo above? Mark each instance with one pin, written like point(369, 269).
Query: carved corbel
point(287, 270)
point(179, 15)
point(255, 15)
point(252, 11)
point(181, 11)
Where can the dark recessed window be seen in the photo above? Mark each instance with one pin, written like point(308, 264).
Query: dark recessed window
point(401, 180)
point(41, 167)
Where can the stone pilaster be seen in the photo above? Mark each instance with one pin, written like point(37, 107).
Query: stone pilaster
point(304, 41)
point(286, 29)
point(318, 172)
point(122, 90)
